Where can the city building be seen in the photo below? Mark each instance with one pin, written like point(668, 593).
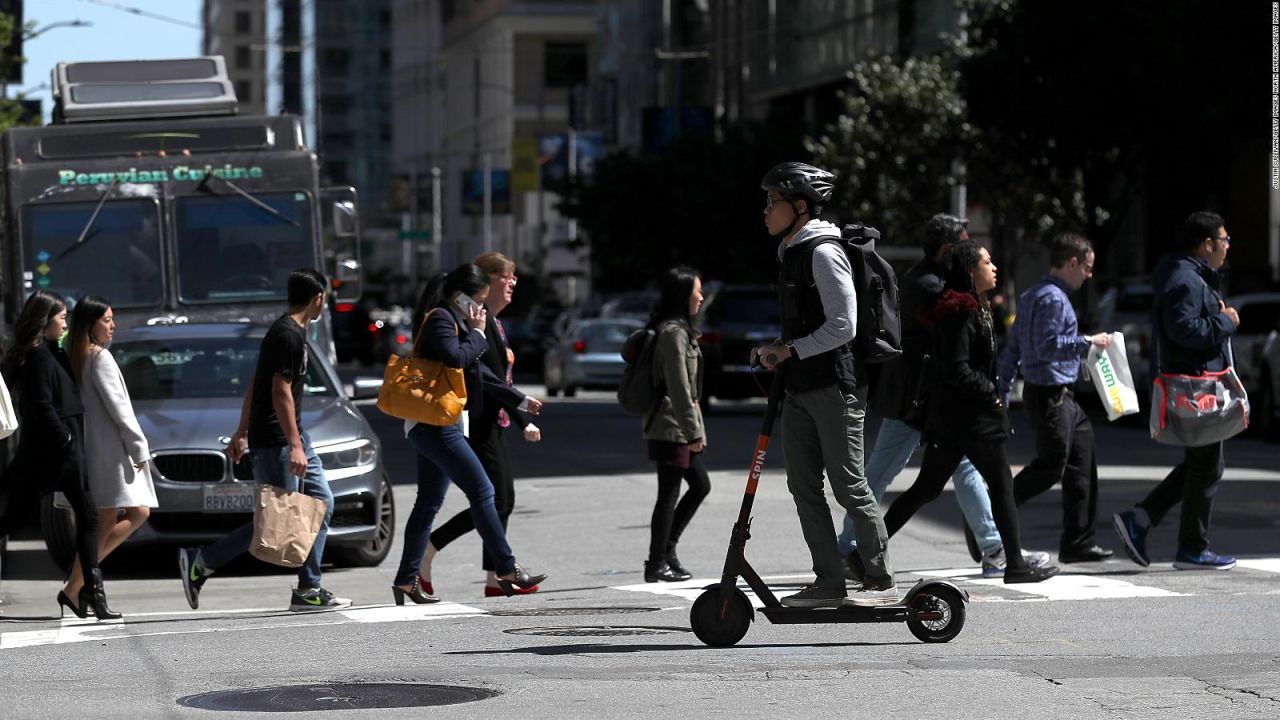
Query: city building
point(489, 92)
point(237, 30)
point(284, 55)
point(791, 56)
point(654, 71)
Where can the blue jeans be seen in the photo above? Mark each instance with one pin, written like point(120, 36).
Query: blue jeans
point(271, 467)
point(894, 446)
point(443, 456)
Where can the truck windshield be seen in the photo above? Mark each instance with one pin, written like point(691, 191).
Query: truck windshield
point(230, 250)
point(119, 257)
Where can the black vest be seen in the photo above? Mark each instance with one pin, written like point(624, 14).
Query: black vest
point(802, 315)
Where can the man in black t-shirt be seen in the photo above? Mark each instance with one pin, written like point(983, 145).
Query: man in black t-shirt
point(271, 432)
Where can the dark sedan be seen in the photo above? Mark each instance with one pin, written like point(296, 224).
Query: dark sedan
point(734, 319)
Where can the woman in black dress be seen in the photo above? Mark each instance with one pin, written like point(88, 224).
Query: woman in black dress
point(51, 436)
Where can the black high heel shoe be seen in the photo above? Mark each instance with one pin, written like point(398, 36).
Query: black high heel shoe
point(524, 580)
point(415, 593)
point(65, 604)
point(93, 595)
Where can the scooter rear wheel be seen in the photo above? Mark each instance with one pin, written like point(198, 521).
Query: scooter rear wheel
point(718, 623)
point(943, 611)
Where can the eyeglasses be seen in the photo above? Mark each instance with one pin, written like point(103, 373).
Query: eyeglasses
point(1225, 239)
point(769, 202)
point(509, 278)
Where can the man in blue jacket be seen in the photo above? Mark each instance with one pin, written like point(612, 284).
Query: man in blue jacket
point(1191, 330)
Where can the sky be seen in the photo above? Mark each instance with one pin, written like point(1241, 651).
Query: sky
point(115, 35)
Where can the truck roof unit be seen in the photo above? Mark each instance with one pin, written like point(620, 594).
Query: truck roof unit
point(133, 89)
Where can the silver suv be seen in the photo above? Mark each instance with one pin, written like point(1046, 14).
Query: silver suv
point(187, 382)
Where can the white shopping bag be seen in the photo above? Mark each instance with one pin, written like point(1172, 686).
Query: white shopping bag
point(1109, 369)
point(8, 414)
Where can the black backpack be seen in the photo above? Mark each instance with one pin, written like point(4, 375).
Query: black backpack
point(879, 332)
point(637, 393)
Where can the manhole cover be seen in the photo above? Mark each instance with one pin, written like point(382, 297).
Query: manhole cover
point(560, 612)
point(596, 631)
point(336, 696)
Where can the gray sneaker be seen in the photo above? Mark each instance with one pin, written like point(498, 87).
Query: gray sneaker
point(813, 596)
point(993, 565)
point(872, 594)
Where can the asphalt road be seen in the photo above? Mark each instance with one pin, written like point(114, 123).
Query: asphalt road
point(1105, 640)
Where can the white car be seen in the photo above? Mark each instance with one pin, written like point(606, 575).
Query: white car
point(1262, 400)
point(1259, 317)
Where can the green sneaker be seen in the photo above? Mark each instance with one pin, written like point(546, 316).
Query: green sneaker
point(192, 578)
point(313, 599)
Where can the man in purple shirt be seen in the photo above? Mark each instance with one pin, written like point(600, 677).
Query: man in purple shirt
point(1046, 345)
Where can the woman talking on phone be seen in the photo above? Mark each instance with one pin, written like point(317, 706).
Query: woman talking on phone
point(450, 321)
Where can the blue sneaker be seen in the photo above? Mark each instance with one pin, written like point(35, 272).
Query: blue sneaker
point(1133, 537)
point(1206, 560)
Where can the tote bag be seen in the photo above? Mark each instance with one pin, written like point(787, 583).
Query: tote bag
point(1198, 410)
point(285, 525)
point(8, 415)
point(422, 390)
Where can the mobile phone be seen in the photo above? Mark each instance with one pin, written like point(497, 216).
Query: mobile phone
point(464, 302)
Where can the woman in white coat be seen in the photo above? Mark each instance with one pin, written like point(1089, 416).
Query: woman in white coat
point(116, 454)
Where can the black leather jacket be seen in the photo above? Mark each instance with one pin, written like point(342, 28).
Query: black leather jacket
point(963, 404)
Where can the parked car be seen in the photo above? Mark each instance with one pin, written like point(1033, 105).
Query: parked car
point(635, 305)
point(1259, 317)
point(355, 332)
point(734, 319)
point(587, 356)
point(395, 333)
point(1262, 400)
point(187, 383)
point(1126, 308)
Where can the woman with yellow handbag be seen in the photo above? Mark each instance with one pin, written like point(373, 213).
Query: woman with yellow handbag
point(429, 390)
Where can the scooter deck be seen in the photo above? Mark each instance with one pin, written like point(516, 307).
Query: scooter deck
point(843, 614)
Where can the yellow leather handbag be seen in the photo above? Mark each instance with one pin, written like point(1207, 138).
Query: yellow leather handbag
point(422, 390)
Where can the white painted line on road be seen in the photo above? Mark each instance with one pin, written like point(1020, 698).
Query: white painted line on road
point(77, 630)
point(407, 613)
point(1061, 587)
point(1271, 565)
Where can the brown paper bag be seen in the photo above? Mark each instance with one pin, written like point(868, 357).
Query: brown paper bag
point(285, 525)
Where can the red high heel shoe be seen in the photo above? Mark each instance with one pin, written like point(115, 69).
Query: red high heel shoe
point(491, 591)
point(426, 586)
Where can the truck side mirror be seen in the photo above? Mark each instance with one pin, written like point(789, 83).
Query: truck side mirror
point(342, 242)
point(346, 222)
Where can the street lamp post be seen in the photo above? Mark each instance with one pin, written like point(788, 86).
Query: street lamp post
point(32, 35)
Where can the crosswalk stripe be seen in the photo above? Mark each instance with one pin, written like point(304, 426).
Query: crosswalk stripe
point(407, 613)
point(1067, 586)
point(1271, 565)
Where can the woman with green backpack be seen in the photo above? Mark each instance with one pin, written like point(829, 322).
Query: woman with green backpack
point(673, 428)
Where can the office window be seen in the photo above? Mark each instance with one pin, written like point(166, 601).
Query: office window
point(565, 64)
point(243, 23)
point(243, 90)
point(243, 59)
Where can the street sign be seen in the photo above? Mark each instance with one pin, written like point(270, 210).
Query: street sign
point(415, 235)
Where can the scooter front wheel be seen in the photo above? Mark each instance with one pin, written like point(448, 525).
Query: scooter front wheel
point(719, 620)
point(939, 614)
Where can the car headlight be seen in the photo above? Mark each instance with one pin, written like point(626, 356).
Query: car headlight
point(355, 454)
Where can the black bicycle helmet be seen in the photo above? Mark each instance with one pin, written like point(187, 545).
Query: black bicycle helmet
point(798, 181)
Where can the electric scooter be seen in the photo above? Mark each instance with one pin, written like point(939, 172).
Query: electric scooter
point(934, 610)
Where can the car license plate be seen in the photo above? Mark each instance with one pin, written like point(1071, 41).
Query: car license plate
point(229, 498)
